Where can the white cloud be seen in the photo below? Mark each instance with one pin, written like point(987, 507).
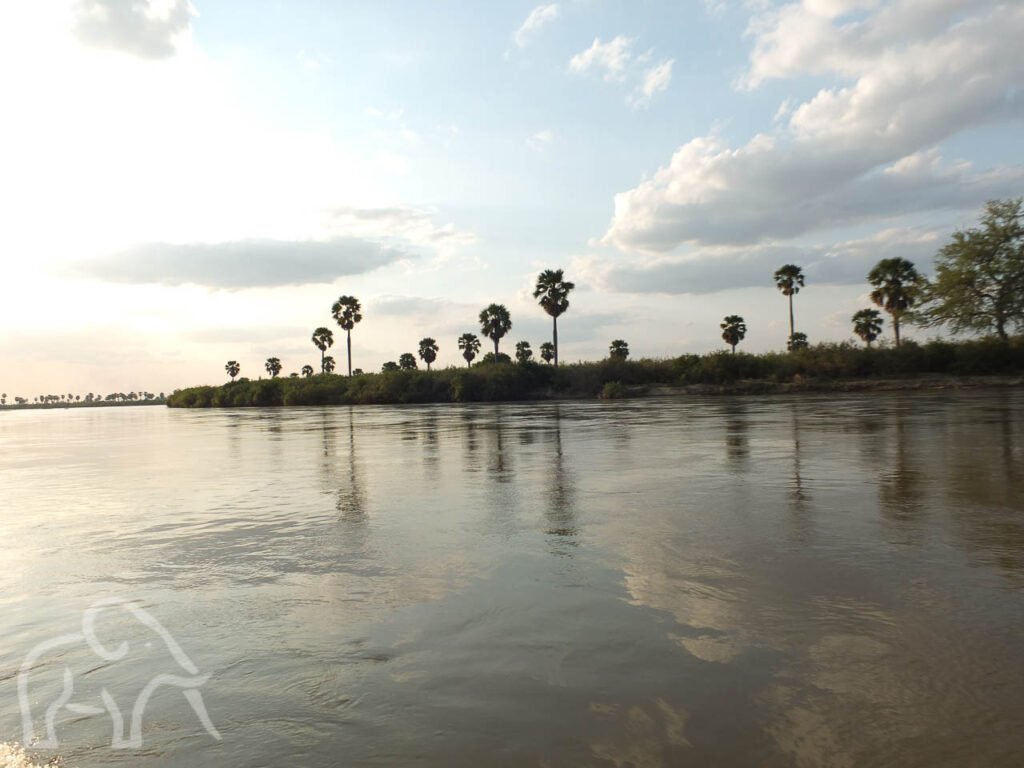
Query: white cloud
point(607, 59)
point(654, 80)
point(149, 29)
point(825, 167)
point(540, 140)
point(538, 17)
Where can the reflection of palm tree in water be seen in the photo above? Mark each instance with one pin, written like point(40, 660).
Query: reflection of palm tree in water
point(799, 499)
point(350, 500)
point(560, 508)
point(737, 446)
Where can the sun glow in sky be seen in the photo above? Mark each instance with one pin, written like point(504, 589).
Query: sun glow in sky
point(187, 183)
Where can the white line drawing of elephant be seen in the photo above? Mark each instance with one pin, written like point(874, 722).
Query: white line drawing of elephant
point(189, 685)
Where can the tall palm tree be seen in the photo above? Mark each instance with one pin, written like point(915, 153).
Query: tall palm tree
point(867, 323)
point(322, 339)
point(428, 351)
point(789, 279)
point(307, 370)
point(553, 291)
point(618, 350)
point(273, 366)
point(734, 330)
point(495, 322)
point(328, 364)
point(407, 361)
point(523, 351)
point(897, 285)
point(547, 351)
point(232, 368)
point(470, 345)
point(347, 312)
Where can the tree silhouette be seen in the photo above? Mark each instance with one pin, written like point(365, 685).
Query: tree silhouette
point(618, 350)
point(734, 330)
point(322, 339)
point(328, 364)
point(407, 361)
point(867, 323)
point(897, 286)
point(428, 351)
point(547, 351)
point(523, 351)
point(273, 366)
point(470, 345)
point(347, 312)
point(390, 365)
point(232, 368)
point(553, 291)
point(495, 322)
point(307, 370)
point(789, 279)
point(797, 341)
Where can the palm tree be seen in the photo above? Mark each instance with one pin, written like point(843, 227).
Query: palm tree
point(273, 366)
point(897, 286)
point(553, 291)
point(322, 339)
point(867, 323)
point(428, 351)
point(495, 322)
point(733, 331)
point(232, 368)
point(618, 350)
point(328, 364)
point(407, 361)
point(789, 279)
point(390, 365)
point(547, 351)
point(347, 312)
point(307, 370)
point(470, 345)
point(523, 351)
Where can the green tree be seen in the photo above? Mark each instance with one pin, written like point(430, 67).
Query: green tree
point(495, 322)
point(346, 312)
point(867, 323)
point(322, 339)
point(553, 291)
point(797, 341)
point(789, 279)
point(523, 351)
point(428, 351)
point(233, 369)
point(307, 370)
point(618, 350)
point(407, 361)
point(390, 365)
point(897, 285)
point(547, 351)
point(329, 364)
point(470, 345)
point(734, 330)
point(273, 366)
point(979, 275)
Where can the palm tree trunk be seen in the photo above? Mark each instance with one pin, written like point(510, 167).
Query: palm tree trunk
point(495, 349)
point(322, 353)
point(348, 343)
point(791, 330)
point(733, 348)
point(554, 336)
point(896, 328)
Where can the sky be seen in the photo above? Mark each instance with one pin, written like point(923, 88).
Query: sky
point(187, 183)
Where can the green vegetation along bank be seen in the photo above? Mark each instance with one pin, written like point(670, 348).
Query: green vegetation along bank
point(835, 367)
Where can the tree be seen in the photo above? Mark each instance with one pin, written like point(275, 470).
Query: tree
point(346, 313)
point(797, 341)
point(867, 323)
point(553, 291)
point(322, 339)
point(789, 279)
point(979, 275)
point(428, 351)
point(233, 369)
point(523, 351)
point(897, 286)
point(328, 364)
point(547, 351)
point(307, 370)
point(390, 365)
point(618, 350)
point(495, 322)
point(407, 361)
point(273, 366)
point(734, 330)
point(470, 345)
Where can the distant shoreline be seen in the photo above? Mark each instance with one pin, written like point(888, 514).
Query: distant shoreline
point(52, 406)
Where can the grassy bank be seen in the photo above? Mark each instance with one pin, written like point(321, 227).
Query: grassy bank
point(818, 368)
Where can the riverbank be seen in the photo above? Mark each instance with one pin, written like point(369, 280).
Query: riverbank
point(822, 368)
